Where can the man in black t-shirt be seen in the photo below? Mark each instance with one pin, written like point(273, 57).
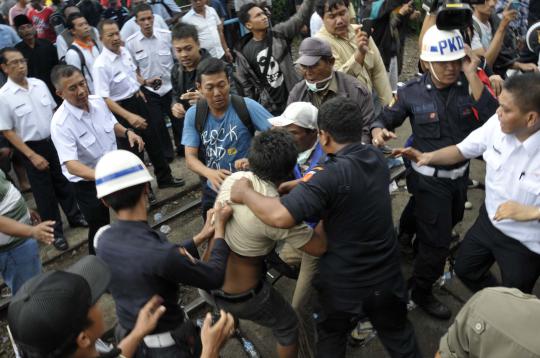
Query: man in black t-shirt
point(360, 272)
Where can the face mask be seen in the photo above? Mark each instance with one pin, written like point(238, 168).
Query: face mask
point(304, 156)
point(313, 86)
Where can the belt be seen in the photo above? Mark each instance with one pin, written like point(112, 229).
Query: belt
point(440, 173)
point(159, 340)
point(128, 97)
point(241, 297)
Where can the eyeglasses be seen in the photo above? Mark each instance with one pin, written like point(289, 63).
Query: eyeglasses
point(20, 61)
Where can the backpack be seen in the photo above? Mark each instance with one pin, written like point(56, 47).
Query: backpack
point(201, 115)
point(81, 59)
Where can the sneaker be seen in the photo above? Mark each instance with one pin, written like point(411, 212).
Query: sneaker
point(468, 205)
point(473, 183)
point(363, 333)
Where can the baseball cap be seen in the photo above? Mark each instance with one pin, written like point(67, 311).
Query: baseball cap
point(311, 50)
point(20, 20)
point(49, 310)
point(303, 114)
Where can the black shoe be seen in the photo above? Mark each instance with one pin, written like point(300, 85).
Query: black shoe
point(60, 243)
point(171, 183)
point(80, 222)
point(431, 305)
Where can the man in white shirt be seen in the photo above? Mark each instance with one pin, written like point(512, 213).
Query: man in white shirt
point(84, 50)
point(507, 230)
point(210, 29)
point(151, 50)
point(83, 129)
point(130, 27)
point(116, 81)
point(26, 109)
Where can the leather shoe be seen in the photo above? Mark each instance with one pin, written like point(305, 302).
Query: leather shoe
point(431, 305)
point(80, 222)
point(171, 183)
point(60, 243)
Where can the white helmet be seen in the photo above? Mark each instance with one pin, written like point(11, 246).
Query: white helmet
point(440, 46)
point(119, 170)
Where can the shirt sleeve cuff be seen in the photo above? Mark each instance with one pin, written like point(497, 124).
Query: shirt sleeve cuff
point(191, 248)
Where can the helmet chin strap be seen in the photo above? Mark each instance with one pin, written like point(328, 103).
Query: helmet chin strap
point(433, 73)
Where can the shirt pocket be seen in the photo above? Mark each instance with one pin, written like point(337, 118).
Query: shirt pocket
point(45, 101)
point(165, 56)
point(427, 125)
point(87, 140)
point(119, 77)
point(529, 190)
point(142, 59)
point(22, 110)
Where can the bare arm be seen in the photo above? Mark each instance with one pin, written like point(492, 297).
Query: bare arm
point(445, 156)
point(318, 245)
point(268, 209)
point(81, 170)
point(43, 232)
point(193, 163)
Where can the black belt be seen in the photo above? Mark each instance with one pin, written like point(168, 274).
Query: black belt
point(241, 297)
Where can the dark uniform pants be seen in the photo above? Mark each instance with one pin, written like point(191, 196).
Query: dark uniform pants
point(96, 214)
point(439, 206)
point(482, 246)
point(150, 136)
point(50, 186)
point(385, 305)
point(158, 108)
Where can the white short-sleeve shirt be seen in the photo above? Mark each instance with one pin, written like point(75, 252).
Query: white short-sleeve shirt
point(130, 27)
point(160, 7)
point(207, 28)
point(153, 56)
point(27, 111)
point(115, 75)
point(83, 136)
point(512, 173)
point(72, 58)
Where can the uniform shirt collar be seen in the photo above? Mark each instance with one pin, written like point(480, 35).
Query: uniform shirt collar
point(109, 55)
point(350, 34)
point(76, 111)
point(142, 37)
point(15, 87)
point(532, 144)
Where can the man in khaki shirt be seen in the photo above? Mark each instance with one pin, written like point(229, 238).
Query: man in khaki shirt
point(496, 322)
point(355, 53)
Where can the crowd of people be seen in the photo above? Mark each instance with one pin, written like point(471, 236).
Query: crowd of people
point(293, 154)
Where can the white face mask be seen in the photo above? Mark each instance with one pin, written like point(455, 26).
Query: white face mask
point(304, 156)
point(312, 86)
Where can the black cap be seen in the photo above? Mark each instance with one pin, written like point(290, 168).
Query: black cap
point(52, 308)
point(20, 20)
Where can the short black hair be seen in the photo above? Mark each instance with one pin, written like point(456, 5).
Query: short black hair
point(126, 198)
point(340, 118)
point(243, 13)
point(272, 155)
point(6, 50)
point(182, 31)
point(525, 90)
point(104, 22)
point(73, 17)
point(63, 71)
point(209, 66)
point(141, 8)
point(332, 4)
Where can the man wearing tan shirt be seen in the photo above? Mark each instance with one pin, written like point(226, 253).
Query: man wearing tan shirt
point(355, 52)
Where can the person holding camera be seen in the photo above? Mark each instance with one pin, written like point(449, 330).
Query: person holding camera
point(444, 105)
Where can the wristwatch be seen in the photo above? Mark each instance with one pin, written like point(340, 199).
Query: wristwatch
point(126, 132)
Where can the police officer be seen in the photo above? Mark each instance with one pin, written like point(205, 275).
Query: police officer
point(151, 48)
point(444, 106)
point(144, 263)
point(115, 79)
point(360, 272)
point(26, 109)
point(83, 130)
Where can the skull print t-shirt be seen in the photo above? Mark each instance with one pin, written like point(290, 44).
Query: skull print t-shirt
point(256, 53)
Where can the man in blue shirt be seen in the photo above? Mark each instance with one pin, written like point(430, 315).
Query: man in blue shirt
point(8, 36)
point(223, 137)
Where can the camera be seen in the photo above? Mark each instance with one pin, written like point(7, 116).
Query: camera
point(452, 14)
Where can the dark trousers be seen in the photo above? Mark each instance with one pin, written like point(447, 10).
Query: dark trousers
point(483, 245)
point(50, 187)
point(407, 220)
point(208, 199)
point(93, 209)
point(150, 136)
point(158, 108)
point(385, 305)
point(439, 206)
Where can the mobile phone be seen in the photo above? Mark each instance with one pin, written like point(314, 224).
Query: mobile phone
point(515, 5)
point(367, 26)
point(156, 84)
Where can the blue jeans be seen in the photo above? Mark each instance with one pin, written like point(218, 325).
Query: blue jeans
point(20, 264)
